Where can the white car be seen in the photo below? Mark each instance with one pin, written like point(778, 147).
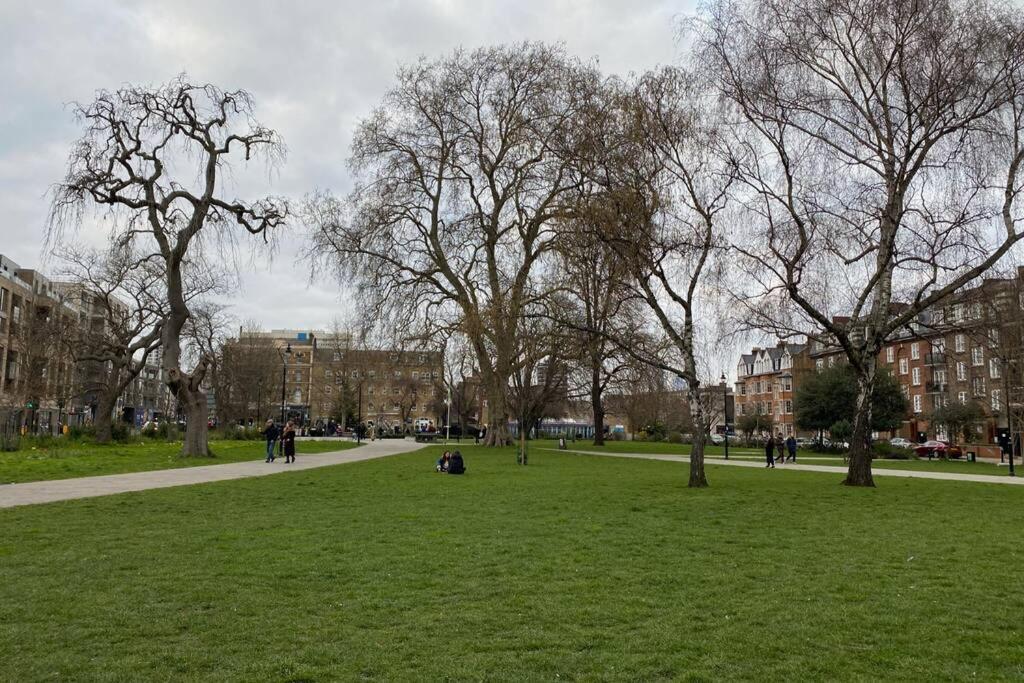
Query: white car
point(900, 442)
point(717, 439)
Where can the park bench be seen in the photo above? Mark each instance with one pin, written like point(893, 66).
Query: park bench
point(426, 437)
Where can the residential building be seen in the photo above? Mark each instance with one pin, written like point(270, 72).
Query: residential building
point(766, 381)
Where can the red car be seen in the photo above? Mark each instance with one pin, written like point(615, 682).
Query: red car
point(937, 449)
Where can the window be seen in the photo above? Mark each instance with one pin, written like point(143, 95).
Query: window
point(3, 300)
point(398, 373)
point(395, 407)
point(958, 313)
point(297, 396)
point(976, 310)
point(904, 366)
point(370, 391)
point(962, 397)
point(820, 364)
point(937, 401)
point(915, 377)
point(993, 338)
point(787, 384)
point(338, 379)
point(415, 375)
point(789, 407)
point(977, 356)
point(831, 361)
point(996, 402)
point(372, 374)
point(328, 373)
point(337, 356)
point(743, 389)
point(961, 372)
point(370, 406)
point(915, 351)
point(298, 375)
point(328, 389)
point(917, 403)
point(959, 343)
point(890, 355)
point(355, 374)
point(979, 386)
point(906, 391)
point(939, 345)
point(939, 377)
point(993, 368)
point(395, 391)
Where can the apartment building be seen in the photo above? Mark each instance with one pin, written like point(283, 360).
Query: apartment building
point(968, 350)
point(766, 379)
point(328, 377)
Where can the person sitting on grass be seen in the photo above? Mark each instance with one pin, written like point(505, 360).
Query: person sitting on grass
point(443, 461)
point(456, 466)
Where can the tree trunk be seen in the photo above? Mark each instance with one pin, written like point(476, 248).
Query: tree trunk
point(597, 404)
point(196, 442)
point(104, 424)
point(497, 418)
point(698, 479)
point(859, 470)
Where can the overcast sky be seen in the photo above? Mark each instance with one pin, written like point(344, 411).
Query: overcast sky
point(314, 67)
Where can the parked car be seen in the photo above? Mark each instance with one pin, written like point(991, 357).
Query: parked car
point(933, 449)
point(717, 439)
point(900, 442)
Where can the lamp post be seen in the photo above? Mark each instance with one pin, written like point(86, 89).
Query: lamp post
point(725, 413)
point(284, 376)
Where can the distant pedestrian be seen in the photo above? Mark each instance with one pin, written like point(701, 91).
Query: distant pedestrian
point(791, 449)
point(270, 432)
point(780, 447)
point(288, 442)
point(769, 451)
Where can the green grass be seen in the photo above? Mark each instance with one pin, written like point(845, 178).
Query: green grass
point(576, 567)
point(86, 460)
point(755, 454)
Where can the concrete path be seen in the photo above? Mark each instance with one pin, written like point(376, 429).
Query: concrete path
point(31, 493)
point(877, 471)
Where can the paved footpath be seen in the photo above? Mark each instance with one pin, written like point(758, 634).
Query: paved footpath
point(876, 471)
point(31, 493)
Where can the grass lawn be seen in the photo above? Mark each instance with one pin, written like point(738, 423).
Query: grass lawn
point(803, 457)
point(576, 567)
point(86, 460)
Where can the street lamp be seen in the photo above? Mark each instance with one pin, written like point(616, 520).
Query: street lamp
point(725, 413)
point(284, 375)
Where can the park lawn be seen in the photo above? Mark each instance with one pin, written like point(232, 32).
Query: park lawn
point(576, 567)
point(85, 460)
point(713, 452)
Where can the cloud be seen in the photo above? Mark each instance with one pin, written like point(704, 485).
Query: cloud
point(314, 68)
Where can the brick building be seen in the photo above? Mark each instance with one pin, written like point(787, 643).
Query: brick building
point(766, 379)
point(328, 377)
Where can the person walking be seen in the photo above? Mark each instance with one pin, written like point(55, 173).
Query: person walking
point(270, 432)
point(780, 447)
point(791, 449)
point(288, 442)
point(769, 449)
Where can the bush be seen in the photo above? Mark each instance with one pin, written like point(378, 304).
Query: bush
point(617, 436)
point(675, 437)
point(163, 431)
point(237, 433)
point(890, 452)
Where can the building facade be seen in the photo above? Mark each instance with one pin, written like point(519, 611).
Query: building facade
point(327, 377)
point(766, 379)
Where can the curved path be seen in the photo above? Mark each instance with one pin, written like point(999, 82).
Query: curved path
point(31, 493)
point(832, 469)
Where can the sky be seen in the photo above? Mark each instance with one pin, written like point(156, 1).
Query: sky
point(314, 68)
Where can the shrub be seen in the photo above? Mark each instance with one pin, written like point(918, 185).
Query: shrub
point(617, 436)
point(675, 437)
point(890, 452)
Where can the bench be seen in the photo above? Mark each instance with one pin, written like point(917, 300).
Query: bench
point(426, 437)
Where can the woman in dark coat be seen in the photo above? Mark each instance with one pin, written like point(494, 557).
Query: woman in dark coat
point(769, 448)
point(288, 442)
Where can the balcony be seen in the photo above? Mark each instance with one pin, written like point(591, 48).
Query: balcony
point(934, 359)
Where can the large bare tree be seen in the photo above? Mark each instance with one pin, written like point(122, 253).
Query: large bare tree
point(883, 173)
point(157, 158)
point(460, 175)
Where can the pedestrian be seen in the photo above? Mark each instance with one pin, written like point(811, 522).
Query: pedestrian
point(780, 447)
point(769, 448)
point(791, 448)
point(288, 442)
point(270, 432)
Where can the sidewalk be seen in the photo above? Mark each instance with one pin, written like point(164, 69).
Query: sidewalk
point(31, 493)
point(877, 472)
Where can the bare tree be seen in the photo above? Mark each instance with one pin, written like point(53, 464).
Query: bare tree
point(157, 156)
point(884, 148)
point(124, 312)
point(460, 174)
point(599, 309)
point(666, 177)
